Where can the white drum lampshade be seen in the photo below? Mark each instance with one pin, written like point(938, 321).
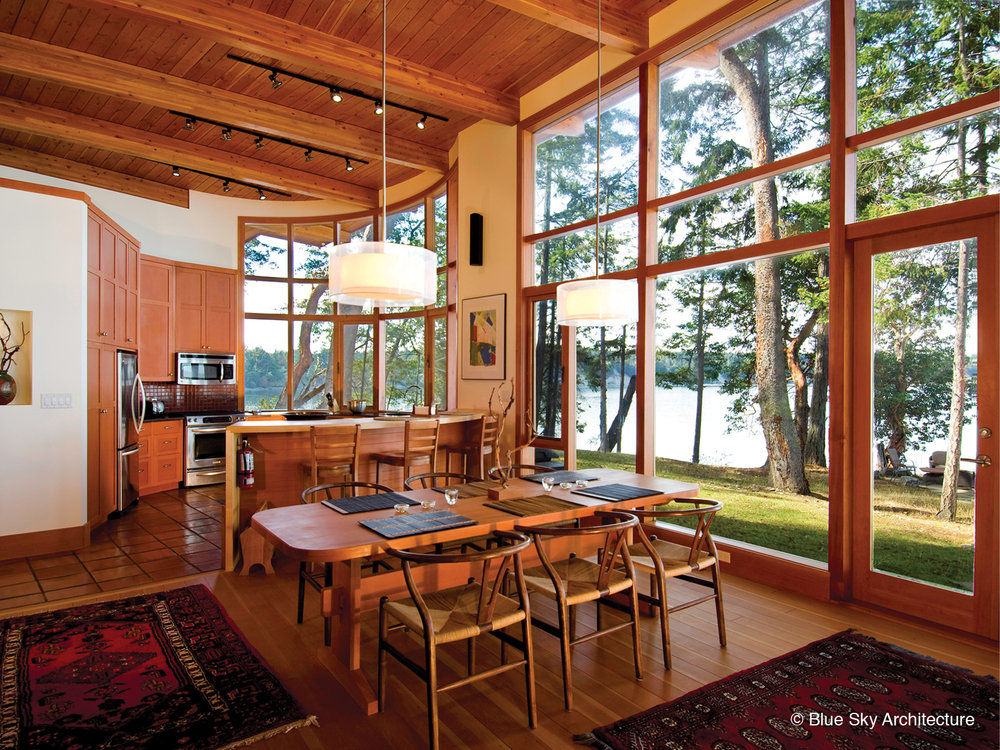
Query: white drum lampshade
point(382, 274)
point(597, 302)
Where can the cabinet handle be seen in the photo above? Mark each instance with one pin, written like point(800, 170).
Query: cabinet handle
point(129, 338)
point(102, 333)
point(104, 411)
point(142, 471)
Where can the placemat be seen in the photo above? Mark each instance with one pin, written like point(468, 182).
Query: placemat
point(408, 524)
point(532, 506)
point(472, 489)
point(617, 492)
point(365, 503)
point(561, 476)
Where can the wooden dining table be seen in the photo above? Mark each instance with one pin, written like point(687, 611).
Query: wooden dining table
point(317, 534)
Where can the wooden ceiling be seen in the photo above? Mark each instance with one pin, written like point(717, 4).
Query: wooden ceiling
point(87, 86)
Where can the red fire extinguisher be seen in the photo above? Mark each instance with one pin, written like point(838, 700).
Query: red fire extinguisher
point(244, 465)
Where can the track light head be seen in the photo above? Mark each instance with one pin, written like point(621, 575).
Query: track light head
point(189, 123)
point(226, 187)
point(422, 123)
point(258, 142)
point(348, 166)
point(378, 109)
point(227, 134)
point(336, 96)
point(260, 195)
point(273, 78)
point(175, 171)
point(309, 154)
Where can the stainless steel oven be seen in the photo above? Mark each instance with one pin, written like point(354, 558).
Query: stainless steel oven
point(205, 448)
point(205, 369)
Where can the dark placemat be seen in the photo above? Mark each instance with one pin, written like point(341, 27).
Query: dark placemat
point(408, 524)
point(617, 492)
point(366, 503)
point(561, 476)
point(472, 489)
point(532, 506)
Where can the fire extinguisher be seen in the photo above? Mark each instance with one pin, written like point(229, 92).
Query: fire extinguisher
point(244, 465)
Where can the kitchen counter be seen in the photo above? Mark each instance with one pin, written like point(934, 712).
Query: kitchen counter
point(282, 459)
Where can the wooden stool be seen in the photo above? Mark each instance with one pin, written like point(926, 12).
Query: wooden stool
point(335, 452)
point(420, 448)
point(483, 444)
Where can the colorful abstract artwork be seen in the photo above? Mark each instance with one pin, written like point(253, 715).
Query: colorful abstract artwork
point(485, 318)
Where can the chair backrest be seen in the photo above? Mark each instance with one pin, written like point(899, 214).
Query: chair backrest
point(336, 445)
point(345, 489)
point(507, 556)
point(519, 470)
point(420, 438)
point(488, 440)
point(615, 528)
point(431, 479)
point(703, 509)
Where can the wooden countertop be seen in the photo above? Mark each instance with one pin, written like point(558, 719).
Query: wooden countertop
point(367, 423)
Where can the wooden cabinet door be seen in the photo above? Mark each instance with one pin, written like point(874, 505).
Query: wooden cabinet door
point(131, 319)
point(156, 353)
point(93, 306)
point(189, 310)
point(106, 311)
point(132, 267)
point(220, 312)
point(102, 432)
point(106, 259)
point(121, 260)
point(93, 244)
point(108, 469)
point(121, 310)
point(93, 430)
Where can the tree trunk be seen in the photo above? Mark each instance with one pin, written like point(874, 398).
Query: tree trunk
point(815, 450)
point(615, 431)
point(799, 378)
point(786, 470)
point(602, 375)
point(621, 380)
point(305, 360)
point(699, 371)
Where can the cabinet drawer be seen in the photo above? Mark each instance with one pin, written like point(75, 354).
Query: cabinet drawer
point(143, 454)
point(167, 427)
point(166, 445)
point(142, 478)
point(168, 470)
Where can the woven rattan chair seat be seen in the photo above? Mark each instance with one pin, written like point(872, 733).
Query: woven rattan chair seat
point(579, 576)
point(453, 613)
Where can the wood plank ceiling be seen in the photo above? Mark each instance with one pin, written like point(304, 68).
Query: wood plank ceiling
point(87, 86)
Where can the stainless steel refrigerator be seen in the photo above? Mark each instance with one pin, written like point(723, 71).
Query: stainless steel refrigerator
point(131, 408)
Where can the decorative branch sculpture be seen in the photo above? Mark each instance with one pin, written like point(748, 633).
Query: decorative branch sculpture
point(505, 472)
point(8, 350)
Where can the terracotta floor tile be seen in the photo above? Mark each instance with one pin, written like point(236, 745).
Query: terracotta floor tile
point(15, 565)
point(163, 562)
point(175, 572)
point(16, 576)
point(123, 583)
point(196, 547)
point(40, 563)
point(122, 571)
point(98, 551)
point(107, 562)
point(88, 588)
point(155, 554)
point(133, 549)
point(19, 589)
point(21, 601)
point(61, 571)
point(205, 560)
point(64, 582)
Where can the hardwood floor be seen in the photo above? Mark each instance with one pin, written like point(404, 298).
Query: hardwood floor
point(762, 623)
point(165, 536)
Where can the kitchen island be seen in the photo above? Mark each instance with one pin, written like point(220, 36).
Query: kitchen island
point(281, 450)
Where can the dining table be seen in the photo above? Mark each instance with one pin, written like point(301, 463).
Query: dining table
point(315, 533)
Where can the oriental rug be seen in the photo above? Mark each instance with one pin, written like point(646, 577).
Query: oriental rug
point(846, 692)
point(165, 670)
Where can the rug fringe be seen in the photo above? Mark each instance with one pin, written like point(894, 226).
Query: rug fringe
point(309, 721)
point(590, 740)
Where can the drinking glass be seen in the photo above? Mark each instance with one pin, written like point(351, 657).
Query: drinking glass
point(428, 504)
point(548, 483)
point(400, 508)
point(565, 485)
point(451, 495)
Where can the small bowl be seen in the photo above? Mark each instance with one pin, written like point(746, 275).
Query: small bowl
point(565, 485)
point(428, 504)
point(580, 483)
point(400, 508)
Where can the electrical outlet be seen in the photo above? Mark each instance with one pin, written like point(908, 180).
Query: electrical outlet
point(57, 400)
point(723, 556)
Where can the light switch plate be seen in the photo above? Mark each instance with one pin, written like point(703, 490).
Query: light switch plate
point(57, 400)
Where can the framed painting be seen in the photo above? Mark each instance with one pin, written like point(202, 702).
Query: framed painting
point(484, 343)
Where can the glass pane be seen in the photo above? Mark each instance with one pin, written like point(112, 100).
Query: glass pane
point(265, 250)
point(917, 55)
point(359, 348)
point(778, 60)
point(924, 347)
point(312, 374)
point(441, 229)
point(311, 250)
point(605, 390)
point(571, 256)
point(548, 369)
point(740, 217)
point(441, 362)
point(442, 290)
point(407, 227)
point(930, 168)
point(566, 160)
point(265, 296)
point(313, 299)
point(356, 230)
point(404, 363)
point(265, 344)
point(747, 434)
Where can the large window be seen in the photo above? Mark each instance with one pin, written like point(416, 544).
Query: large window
point(299, 345)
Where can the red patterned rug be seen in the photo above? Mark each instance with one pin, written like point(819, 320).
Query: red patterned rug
point(167, 670)
point(846, 692)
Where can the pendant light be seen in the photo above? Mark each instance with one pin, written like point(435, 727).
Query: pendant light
point(380, 273)
point(597, 301)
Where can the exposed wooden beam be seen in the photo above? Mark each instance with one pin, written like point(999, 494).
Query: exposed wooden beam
point(292, 44)
point(68, 67)
point(620, 27)
point(67, 169)
point(55, 123)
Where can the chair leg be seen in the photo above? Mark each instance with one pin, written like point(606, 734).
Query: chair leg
point(302, 591)
point(328, 618)
point(529, 671)
point(572, 623)
point(471, 655)
point(661, 594)
point(432, 692)
point(636, 649)
point(719, 614)
point(597, 603)
point(566, 656)
point(383, 633)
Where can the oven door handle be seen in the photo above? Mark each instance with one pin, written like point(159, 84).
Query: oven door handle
point(200, 473)
point(205, 430)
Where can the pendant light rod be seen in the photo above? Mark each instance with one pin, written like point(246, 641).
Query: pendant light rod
point(385, 181)
point(597, 224)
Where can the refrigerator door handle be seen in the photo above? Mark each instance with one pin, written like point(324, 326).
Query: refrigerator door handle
point(131, 404)
point(141, 405)
point(128, 451)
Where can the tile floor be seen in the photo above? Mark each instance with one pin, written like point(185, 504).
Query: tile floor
point(166, 535)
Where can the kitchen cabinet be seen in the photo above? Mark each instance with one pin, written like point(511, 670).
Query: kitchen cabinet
point(156, 321)
point(112, 284)
point(160, 464)
point(205, 310)
point(102, 442)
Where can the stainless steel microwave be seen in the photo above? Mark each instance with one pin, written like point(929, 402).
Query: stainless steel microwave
point(205, 369)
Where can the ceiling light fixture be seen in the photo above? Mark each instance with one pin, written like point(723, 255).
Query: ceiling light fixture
point(336, 96)
point(260, 195)
point(227, 182)
point(379, 109)
point(309, 154)
point(273, 78)
point(348, 166)
point(227, 134)
point(226, 186)
point(189, 123)
point(422, 123)
point(380, 273)
point(175, 171)
point(597, 301)
point(258, 142)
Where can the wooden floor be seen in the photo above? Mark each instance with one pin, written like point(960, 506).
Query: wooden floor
point(763, 623)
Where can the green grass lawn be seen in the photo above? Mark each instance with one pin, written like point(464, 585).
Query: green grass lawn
point(909, 541)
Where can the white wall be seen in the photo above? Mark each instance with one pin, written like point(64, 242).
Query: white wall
point(43, 264)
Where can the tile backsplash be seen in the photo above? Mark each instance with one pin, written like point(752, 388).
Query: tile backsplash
point(194, 397)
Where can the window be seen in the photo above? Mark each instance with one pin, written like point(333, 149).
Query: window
point(605, 391)
point(300, 345)
point(548, 372)
point(571, 255)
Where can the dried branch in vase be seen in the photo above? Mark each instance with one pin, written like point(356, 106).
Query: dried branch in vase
point(505, 472)
point(8, 350)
